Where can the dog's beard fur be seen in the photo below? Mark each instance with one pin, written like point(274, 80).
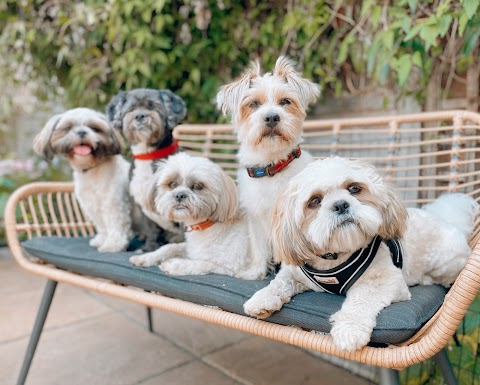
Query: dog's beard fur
point(146, 116)
point(208, 192)
point(250, 121)
point(149, 130)
point(334, 233)
point(195, 208)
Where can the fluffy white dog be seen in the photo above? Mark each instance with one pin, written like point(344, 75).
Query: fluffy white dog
point(338, 217)
point(101, 176)
point(268, 113)
point(198, 193)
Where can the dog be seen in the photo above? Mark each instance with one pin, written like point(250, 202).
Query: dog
point(101, 175)
point(338, 216)
point(267, 113)
point(198, 193)
point(147, 117)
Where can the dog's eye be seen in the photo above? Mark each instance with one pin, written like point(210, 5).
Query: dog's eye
point(197, 186)
point(354, 189)
point(285, 102)
point(314, 202)
point(172, 184)
point(254, 104)
point(95, 129)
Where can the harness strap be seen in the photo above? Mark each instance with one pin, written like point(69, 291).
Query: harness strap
point(339, 279)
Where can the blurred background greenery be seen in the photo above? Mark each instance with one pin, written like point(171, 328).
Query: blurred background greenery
point(58, 54)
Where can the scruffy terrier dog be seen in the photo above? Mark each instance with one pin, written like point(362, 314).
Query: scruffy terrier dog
point(198, 193)
point(147, 118)
point(339, 228)
point(268, 113)
point(101, 175)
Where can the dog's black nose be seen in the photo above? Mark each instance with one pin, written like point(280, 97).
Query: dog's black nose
point(340, 206)
point(81, 133)
point(271, 119)
point(180, 196)
point(140, 115)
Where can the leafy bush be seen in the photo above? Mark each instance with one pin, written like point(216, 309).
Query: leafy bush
point(93, 48)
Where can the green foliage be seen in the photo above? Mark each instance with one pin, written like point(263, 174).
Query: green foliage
point(94, 48)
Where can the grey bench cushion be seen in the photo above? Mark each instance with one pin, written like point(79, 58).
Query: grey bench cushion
point(310, 310)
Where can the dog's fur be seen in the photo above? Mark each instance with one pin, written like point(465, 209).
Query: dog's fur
point(147, 118)
point(282, 93)
point(307, 225)
point(192, 190)
point(101, 175)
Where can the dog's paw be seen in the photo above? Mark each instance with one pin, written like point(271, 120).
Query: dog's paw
point(174, 266)
point(142, 260)
point(262, 306)
point(108, 247)
point(96, 241)
point(349, 334)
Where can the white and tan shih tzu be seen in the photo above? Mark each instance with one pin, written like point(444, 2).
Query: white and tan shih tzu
point(199, 194)
point(339, 228)
point(147, 117)
point(268, 112)
point(101, 175)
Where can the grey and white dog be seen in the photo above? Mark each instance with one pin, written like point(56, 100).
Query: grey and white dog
point(147, 118)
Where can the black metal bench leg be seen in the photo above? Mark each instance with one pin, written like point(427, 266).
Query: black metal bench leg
point(441, 358)
point(149, 316)
point(149, 319)
point(388, 377)
point(37, 329)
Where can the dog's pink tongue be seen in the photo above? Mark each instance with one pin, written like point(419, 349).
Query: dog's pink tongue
point(82, 150)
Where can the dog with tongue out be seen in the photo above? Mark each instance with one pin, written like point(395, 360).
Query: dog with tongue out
point(100, 173)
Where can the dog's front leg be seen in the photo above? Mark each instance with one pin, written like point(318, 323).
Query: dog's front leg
point(271, 298)
point(353, 324)
point(171, 250)
point(260, 250)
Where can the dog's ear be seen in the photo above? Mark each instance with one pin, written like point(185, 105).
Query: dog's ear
point(149, 203)
point(176, 107)
point(228, 98)
point(394, 217)
point(114, 110)
point(118, 143)
point(308, 91)
point(227, 208)
point(289, 244)
point(152, 190)
point(41, 143)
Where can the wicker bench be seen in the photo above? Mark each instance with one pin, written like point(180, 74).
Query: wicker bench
point(422, 154)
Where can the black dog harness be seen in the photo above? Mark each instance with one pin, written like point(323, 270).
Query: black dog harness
point(339, 279)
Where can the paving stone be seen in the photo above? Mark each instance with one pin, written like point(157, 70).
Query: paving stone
point(263, 362)
point(106, 350)
point(192, 373)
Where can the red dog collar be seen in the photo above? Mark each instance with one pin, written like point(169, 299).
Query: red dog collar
point(274, 168)
point(159, 153)
point(201, 226)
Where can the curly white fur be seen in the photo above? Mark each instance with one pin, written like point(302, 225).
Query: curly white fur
point(193, 190)
point(309, 224)
point(284, 94)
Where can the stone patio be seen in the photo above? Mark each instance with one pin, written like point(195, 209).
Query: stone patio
point(94, 339)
